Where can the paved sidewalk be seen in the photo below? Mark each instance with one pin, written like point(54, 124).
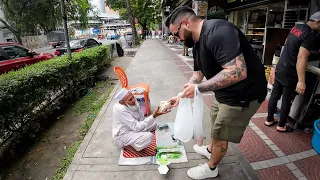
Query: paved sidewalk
point(273, 155)
point(97, 157)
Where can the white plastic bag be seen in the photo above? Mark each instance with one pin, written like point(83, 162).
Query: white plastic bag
point(198, 117)
point(183, 126)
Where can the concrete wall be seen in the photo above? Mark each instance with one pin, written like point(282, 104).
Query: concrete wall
point(32, 42)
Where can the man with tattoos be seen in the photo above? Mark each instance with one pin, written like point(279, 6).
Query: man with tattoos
point(234, 73)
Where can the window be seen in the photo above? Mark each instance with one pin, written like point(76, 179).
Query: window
point(2, 58)
point(92, 42)
point(15, 51)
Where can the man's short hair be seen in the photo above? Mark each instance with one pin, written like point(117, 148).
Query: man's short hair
point(179, 13)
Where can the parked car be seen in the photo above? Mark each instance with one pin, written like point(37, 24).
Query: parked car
point(77, 46)
point(14, 56)
point(113, 36)
point(55, 38)
point(56, 44)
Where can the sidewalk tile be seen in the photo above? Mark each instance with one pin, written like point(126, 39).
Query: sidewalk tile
point(263, 164)
point(279, 153)
point(276, 173)
point(274, 147)
point(278, 161)
point(253, 147)
point(288, 143)
point(303, 178)
point(271, 162)
point(291, 166)
point(292, 158)
point(309, 167)
point(263, 108)
point(256, 166)
point(269, 142)
point(297, 173)
point(285, 160)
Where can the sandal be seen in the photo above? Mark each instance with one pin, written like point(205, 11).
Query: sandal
point(288, 129)
point(273, 123)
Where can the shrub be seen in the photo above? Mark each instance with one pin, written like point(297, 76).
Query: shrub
point(41, 89)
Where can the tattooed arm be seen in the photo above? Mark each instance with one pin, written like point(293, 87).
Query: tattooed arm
point(233, 72)
point(196, 78)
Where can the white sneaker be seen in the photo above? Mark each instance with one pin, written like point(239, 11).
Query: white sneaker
point(202, 172)
point(202, 150)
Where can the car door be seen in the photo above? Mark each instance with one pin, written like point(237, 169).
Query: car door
point(3, 59)
point(17, 57)
point(92, 43)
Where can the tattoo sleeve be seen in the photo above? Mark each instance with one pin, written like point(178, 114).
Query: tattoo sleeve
point(196, 78)
point(193, 80)
point(233, 72)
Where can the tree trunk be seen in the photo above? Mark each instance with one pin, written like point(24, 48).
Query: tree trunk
point(144, 30)
point(19, 39)
point(135, 40)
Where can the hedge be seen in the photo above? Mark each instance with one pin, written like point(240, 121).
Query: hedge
point(39, 90)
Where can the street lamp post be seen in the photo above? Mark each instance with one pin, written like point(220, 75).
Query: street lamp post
point(65, 27)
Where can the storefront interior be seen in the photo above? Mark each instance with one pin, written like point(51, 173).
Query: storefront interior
point(254, 22)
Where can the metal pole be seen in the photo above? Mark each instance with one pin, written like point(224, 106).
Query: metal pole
point(65, 27)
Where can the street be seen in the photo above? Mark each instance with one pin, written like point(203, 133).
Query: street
point(51, 50)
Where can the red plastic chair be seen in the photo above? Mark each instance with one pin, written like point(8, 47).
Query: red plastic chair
point(121, 74)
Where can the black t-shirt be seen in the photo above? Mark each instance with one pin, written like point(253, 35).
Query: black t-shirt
point(300, 36)
point(219, 43)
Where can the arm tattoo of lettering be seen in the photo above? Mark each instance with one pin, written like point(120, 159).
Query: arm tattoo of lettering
point(233, 72)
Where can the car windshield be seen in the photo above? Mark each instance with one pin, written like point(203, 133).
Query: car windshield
point(75, 43)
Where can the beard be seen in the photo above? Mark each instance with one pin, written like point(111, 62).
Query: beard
point(188, 41)
point(134, 108)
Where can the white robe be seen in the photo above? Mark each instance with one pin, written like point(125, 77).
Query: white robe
point(131, 128)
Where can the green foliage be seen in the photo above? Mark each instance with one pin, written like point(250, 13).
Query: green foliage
point(91, 104)
point(71, 31)
point(24, 17)
point(87, 103)
point(148, 12)
point(94, 110)
point(39, 89)
point(61, 171)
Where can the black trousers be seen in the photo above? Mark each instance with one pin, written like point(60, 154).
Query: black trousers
point(288, 94)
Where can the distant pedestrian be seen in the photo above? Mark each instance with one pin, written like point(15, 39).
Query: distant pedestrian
point(153, 33)
point(185, 51)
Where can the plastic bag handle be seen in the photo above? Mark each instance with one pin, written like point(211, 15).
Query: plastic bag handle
point(196, 91)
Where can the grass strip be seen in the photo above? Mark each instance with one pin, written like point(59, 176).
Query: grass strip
point(91, 104)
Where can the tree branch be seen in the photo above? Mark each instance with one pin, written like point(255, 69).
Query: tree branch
point(9, 10)
point(8, 26)
point(24, 5)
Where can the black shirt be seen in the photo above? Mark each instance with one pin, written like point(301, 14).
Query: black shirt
point(300, 36)
point(221, 42)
